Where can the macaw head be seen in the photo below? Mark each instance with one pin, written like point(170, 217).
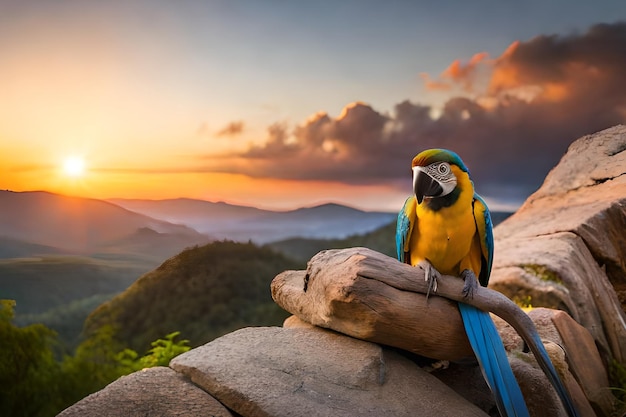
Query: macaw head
point(435, 173)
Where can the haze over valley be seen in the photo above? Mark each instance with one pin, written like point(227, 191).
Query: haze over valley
point(61, 256)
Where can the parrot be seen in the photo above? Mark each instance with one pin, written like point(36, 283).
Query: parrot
point(445, 228)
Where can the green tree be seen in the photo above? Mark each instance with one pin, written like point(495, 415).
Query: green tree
point(163, 351)
point(100, 360)
point(95, 364)
point(33, 383)
point(28, 370)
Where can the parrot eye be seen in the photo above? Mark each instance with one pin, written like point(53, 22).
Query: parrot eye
point(443, 168)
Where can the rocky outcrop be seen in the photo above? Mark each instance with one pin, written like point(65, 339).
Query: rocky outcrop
point(156, 391)
point(315, 372)
point(564, 249)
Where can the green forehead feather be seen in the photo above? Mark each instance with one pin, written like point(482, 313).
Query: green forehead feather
point(430, 156)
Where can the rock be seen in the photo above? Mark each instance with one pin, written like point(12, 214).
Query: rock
point(585, 363)
point(315, 372)
point(541, 399)
point(557, 271)
point(152, 392)
point(574, 355)
point(565, 247)
point(293, 322)
point(589, 160)
point(466, 379)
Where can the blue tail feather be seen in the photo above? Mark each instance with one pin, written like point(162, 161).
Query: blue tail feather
point(553, 376)
point(489, 350)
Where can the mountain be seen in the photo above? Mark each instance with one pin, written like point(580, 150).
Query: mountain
point(302, 249)
point(188, 211)
point(15, 248)
point(381, 240)
point(61, 256)
point(226, 221)
point(203, 292)
point(77, 225)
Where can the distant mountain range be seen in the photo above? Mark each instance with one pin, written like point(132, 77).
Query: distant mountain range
point(40, 222)
point(60, 256)
point(226, 221)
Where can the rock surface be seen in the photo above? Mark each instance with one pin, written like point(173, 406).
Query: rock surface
point(315, 372)
point(565, 247)
point(575, 356)
point(152, 392)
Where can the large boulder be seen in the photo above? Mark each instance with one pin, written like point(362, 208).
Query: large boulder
point(152, 392)
point(565, 248)
point(275, 371)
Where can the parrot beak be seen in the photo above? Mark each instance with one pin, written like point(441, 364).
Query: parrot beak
point(424, 185)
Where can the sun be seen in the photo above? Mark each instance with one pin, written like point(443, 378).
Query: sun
point(74, 166)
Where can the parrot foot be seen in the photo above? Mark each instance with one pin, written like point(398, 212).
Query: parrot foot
point(431, 275)
point(471, 283)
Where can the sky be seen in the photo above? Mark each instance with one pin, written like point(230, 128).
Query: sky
point(284, 104)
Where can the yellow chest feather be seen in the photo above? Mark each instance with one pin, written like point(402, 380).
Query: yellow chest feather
point(443, 237)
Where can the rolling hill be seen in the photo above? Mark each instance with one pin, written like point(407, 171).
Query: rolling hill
point(381, 240)
point(210, 290)
point(15, 248)
point(74, 224)
point(203, 292)
point(62, 256)
point(301, 249)
point(226, 221)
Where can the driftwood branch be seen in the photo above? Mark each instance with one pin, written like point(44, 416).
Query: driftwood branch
point(344, 292)
point(368, 295)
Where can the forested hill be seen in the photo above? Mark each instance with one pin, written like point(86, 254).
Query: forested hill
point(203, 292)
point(381, 240)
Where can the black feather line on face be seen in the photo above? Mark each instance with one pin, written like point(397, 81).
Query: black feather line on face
point(437, 203)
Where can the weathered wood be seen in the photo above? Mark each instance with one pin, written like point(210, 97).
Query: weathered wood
point(346, 293)
point(371, 296)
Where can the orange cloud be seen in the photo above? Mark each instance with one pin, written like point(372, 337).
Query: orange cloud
point(232, 129)
point(457, 73)
point(432, 85)
point(541, 95)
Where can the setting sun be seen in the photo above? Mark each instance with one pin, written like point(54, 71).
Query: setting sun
point(74, 166)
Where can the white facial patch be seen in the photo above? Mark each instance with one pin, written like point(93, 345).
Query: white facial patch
point(440, 172)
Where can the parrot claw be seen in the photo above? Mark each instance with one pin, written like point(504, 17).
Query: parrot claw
point(471, 283)
point(431, 275)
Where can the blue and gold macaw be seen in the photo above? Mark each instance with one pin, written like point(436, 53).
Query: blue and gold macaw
point(446, 228)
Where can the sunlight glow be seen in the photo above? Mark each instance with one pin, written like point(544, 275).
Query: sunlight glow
point(74, 166)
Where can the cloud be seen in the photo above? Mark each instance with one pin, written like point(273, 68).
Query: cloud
point(457, 73)
point(539, 96)
point(232, 129)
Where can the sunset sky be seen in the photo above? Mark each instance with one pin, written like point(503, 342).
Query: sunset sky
point(282, 104)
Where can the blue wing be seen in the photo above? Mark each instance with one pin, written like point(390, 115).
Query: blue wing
point(485, 233)
point(404, 228)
